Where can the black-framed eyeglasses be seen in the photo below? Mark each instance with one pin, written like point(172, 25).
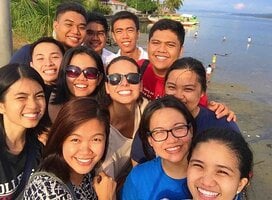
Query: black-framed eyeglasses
point(179, 131)
point(73, 71)
point(132, 78)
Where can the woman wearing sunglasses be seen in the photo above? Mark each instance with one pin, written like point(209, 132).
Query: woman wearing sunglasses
point(168, 127)
point(81, 74)
point(123, 87)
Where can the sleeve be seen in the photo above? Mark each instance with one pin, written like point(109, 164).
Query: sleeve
point(137, 152)
point(22, 56)
point(43, 187)
point(129, 190)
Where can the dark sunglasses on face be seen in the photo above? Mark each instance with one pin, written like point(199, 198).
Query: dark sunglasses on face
point(132, 78)
point(73, 71)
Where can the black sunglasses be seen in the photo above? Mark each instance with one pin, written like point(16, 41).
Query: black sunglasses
point(73, 71)
point(132, 78)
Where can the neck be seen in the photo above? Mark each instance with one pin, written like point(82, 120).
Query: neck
point(121, 110)
point(195, 111)
point(160, 73)
point(135, 54)
point(76, 179)
point(176, 170)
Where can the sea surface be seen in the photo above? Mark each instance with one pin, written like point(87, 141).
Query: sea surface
point(248, 64)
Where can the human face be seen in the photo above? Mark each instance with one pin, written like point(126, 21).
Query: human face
point(124, 93)
point(184, 84)
point(163, 49)
point(172, 150)
point(81, 86)
point(70, 28)
point(125, 35)
point(23, 105)
point(213, 172)
point(96, 37)
point(85, 146)
point(46, 59)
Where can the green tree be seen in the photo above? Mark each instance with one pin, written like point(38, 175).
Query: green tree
point(173, 5)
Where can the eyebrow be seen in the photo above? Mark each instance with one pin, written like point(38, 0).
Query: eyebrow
point(40, 54)
point(220, 166)
point(69, 20)
point(23, 93)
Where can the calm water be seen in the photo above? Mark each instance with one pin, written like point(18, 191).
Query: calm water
point(249, 65)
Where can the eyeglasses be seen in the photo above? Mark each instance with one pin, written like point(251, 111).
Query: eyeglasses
point(160, 135)
point(96, 33)
point(132, 78)
point(73, 71)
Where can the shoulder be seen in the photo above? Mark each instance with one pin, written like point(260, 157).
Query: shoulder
point(143, 54)
point(44, 185)
point(22, 55)
point(107, 52)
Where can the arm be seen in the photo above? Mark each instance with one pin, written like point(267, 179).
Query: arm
point(104, 187)
point(44, 187)
point(221, 110)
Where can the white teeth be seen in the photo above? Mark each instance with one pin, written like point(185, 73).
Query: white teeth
point(161, 57)
point(173, 148)
point(50, 71)
point(73, 38)
point(207, 193)
point(124, 92)
point(30, 115)
point(126, 43)
point(81, 85)
point(83, 160)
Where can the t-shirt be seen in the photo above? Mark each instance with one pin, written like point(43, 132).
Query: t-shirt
point(149, 181)
point(153, 85)
point(117, 162)
point(22, 56)
point(204, 120)
point(12, 166)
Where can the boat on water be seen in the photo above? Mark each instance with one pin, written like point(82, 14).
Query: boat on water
point(185, 19)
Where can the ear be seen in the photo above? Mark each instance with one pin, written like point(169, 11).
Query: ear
point(181, 51)
point(242, 184)
point(149, 139)
point(2, 108)
point(107, 89)
point(113, 36)
point(55, 25)
point(31, 64)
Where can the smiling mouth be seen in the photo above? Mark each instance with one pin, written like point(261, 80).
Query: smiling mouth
point(124, 92)
point(207, 194)
point(74, 39)
point(81, 86)
point(173, 149)
point(35, 115)
point(50, 71)
point(161, 58)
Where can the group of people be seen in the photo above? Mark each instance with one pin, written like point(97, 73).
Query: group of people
point(76, 118)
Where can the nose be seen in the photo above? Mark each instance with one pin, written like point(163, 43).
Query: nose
point(75, 30)
point(32, 102)
point(179, 94)
point(124, 81)
point(171, 137)
point(207, 179)
point(162, 48)
point(48, 62)
point(85, 147)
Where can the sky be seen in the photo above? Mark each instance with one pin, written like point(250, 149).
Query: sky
point(235, 6)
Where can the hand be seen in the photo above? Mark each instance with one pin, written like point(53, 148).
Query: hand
point(221, 110)
point(104, 186)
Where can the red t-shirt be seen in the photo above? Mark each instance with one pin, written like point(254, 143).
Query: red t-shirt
point(153, 85)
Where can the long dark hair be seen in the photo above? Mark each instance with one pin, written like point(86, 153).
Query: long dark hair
point(62, 92)
point(9, 74)
point(72, 114)
point(157, 104)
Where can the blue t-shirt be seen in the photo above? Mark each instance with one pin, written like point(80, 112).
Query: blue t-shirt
point(205, 119)
point(22, 56)
point(149, 181)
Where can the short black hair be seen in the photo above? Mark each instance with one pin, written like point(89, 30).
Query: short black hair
point(125, 15)
point(169, 24)
point(70, 6)
point(46, 40)
point(98, 18)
